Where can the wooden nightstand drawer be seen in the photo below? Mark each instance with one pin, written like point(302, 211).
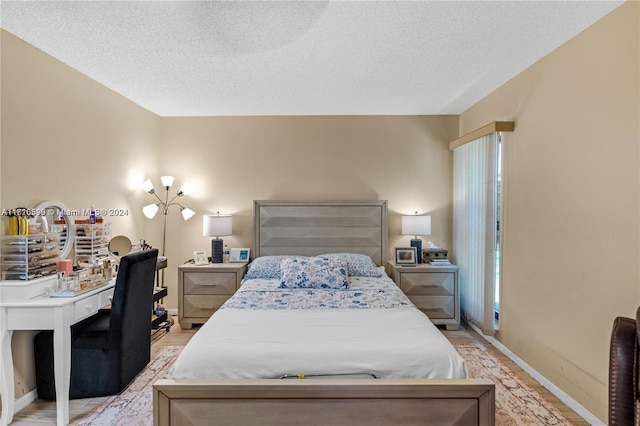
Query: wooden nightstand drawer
point(437, 283)
point(436, 307)
point(207, 283)
point(433, 289)
point(203, 289)
point(202, 306)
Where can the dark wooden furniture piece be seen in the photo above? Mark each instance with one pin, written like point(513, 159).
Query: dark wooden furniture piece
point(159, 293)
point(624, 383)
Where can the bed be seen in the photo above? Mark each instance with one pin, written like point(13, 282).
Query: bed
point(387, 363)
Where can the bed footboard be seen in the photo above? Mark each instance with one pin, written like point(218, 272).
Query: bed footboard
point(324, 402)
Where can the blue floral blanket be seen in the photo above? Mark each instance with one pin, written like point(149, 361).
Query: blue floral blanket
point(363, 293)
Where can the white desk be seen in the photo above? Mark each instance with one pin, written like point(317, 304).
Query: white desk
point(45, 313)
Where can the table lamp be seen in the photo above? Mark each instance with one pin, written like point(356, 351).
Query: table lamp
point(416, 225)
point(216, 225)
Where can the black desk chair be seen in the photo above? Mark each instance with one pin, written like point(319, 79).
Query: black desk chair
point(111, 347)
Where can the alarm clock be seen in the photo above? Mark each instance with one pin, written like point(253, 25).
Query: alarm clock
point(239, 255)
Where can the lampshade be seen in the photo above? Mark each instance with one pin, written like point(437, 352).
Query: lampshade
point(184, 190)
point(150, 210)
point(167, 181)
point(187, 213)
point(416, 225)
point(216, 225)
point(147, 186)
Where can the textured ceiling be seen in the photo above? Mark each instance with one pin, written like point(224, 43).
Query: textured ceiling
point(207, 58)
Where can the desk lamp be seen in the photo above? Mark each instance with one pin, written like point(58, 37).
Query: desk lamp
point(416, 225)
point(217, 226)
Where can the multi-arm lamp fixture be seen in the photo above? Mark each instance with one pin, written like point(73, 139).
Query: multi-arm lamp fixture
point(150, 210)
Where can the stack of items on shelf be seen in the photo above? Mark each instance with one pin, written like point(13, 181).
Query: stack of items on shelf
point(439, 262)
point(28, 251)
point(26, 257)
point(435, 256)
point(92, 242)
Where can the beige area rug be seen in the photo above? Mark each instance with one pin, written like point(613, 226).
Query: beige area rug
point(516, 402)
point(134, 405)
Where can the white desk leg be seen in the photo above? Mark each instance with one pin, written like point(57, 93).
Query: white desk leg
point(7, 390)
point(62, 364)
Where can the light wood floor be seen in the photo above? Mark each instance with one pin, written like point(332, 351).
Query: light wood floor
point(44, 412)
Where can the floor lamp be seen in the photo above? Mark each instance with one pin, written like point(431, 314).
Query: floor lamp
point(150, 210)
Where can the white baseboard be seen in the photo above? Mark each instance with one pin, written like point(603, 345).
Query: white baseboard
point(25, 400)
point(559, 393)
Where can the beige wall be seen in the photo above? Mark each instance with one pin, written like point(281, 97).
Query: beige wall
point(232, 161)
point(67, 138)
point(571, 234)
point(572, 195)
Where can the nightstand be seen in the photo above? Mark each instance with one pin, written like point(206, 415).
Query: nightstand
point(433, 289)
point(203, 289)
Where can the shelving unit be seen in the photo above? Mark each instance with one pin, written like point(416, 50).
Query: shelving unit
point(162, 322)
point(160, 292)
point(26, 257)
point(59, 228)
point(92, 242)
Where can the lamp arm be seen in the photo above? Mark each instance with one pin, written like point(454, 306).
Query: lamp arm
point(156, 195)
point(165, 203)
point(170, 202)
point(175, 204)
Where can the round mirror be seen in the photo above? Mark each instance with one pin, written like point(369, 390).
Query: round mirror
point(55, 220)
point(120, 245)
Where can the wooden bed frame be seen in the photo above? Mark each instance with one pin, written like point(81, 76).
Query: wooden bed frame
point(311, 228)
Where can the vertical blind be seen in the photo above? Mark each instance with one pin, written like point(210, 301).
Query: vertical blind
point(475, 169)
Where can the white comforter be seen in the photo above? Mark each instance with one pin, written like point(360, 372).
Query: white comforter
point(272, 338)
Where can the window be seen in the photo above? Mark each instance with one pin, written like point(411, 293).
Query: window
point(477, 185)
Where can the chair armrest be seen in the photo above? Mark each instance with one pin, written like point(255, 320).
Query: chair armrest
point(623, 359)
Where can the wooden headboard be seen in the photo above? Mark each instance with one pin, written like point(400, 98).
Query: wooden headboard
point(310, 228)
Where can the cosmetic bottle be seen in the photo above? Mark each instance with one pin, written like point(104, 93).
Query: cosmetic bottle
point(23, 225)
point(92, 214)
point(13, 224)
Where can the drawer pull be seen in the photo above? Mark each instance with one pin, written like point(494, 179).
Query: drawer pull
point(89, 308)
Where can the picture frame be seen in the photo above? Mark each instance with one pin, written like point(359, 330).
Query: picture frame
point(406, 256)
point(200, 257)
point(239, 255)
